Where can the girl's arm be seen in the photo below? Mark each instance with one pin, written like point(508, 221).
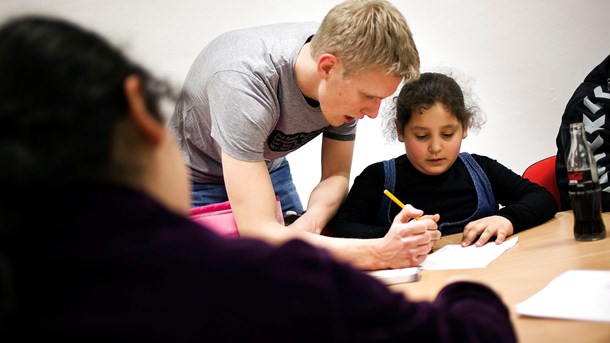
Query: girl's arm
point(526, 204)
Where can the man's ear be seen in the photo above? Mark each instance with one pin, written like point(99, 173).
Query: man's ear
point(146, 124)
point(326, 62)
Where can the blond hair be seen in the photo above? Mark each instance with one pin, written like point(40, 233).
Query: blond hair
point(367, 35)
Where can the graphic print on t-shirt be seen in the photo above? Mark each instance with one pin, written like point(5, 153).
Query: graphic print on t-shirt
point(279, 141)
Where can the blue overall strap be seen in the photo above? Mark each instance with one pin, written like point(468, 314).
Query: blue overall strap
point(487, 204)
point(383, 213)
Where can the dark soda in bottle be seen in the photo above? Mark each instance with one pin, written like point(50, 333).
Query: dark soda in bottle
point(586, 204)
point(584, 188)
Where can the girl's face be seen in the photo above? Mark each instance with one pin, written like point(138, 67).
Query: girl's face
point(432, 139)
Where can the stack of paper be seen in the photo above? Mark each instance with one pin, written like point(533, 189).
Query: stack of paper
point(392, 276)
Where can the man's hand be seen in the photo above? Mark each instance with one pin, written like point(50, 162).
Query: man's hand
point(409, 241)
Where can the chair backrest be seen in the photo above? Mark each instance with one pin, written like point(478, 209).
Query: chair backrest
point(543, 173)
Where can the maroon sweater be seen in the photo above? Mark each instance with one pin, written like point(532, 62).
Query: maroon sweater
point(110, 264)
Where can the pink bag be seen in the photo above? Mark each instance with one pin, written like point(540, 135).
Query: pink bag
point(219, 217)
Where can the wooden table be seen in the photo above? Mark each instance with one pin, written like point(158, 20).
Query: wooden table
point(541, 254)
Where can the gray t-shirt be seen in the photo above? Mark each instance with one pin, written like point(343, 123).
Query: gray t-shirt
point(241, 96)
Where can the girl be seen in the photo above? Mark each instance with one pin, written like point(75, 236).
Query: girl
point(466, 190)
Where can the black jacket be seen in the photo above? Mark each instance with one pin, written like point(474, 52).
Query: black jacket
point(589, 104)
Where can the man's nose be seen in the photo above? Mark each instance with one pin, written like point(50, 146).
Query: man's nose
point(373, 109)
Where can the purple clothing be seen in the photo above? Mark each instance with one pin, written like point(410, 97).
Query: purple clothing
point(110, 264)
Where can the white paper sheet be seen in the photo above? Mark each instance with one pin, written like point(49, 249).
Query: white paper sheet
point(575, 294)
point(454, 256)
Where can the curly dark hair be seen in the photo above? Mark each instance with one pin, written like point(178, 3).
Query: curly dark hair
point(424, 92)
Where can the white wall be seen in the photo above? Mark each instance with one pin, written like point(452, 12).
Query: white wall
point(523, 57)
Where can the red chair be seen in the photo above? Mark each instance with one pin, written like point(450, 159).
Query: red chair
point(543, 173)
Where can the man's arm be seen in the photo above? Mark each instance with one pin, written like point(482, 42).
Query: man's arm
point(253, 202)
point(252, 198)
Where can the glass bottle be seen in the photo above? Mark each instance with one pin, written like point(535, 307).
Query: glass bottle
point(584, 188)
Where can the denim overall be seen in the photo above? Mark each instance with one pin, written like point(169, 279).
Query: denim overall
point(486, 201)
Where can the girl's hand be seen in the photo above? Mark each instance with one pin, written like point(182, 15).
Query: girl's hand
point(435, 235)
point(485, 228)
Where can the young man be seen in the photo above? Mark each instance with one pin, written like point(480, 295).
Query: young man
point(254, 95)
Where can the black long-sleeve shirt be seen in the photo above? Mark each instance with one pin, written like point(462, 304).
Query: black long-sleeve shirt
point(451, 194)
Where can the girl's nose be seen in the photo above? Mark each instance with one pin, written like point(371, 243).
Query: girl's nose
point(435, 146)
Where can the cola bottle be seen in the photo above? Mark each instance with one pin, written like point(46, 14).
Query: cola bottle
point(584, 188)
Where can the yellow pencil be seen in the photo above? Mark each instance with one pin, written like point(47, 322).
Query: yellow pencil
point(395, 199)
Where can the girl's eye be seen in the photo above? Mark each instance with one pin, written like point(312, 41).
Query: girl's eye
point(421, 137)
point(448, 135)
